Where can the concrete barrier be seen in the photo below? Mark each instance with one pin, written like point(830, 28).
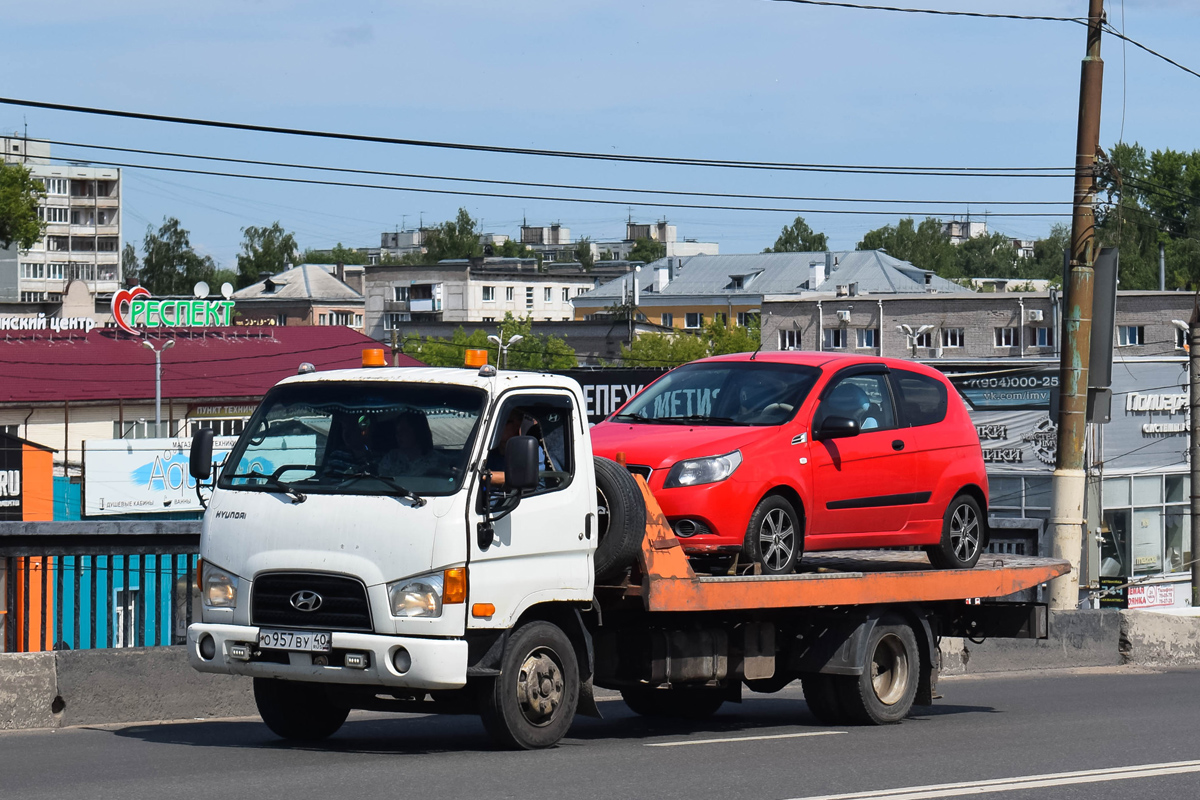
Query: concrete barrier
point(89, 687)
point(1160, 638)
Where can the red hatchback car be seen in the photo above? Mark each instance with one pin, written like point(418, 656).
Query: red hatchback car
point(777, 453)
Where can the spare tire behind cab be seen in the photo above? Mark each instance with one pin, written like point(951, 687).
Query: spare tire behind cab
point(621, 522)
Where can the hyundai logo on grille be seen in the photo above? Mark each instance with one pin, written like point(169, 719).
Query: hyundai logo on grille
point(305, 600)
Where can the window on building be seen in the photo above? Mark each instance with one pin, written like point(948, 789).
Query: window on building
point(106, 188)
point(143, 428)
point(789, 340)
point(392, 322)
point(580, 291)
point(952, 337)
point(281, 320)
point(1005, 337)
point(736, 283)
point(693, 319)
point(11, 430)
point(1043, 337)
point(345, 318)
point(834, 339)
point(106, 272)
point(489, 319)
point(722, 318)
point(322, 319)
point(54, 214)
point(33, 297)
point(747, 319)
point(489, 294)
point(55, 271)
point(358, 320)
point(1130, 335)
point(56, 186)
point(106, 217)
point(1148, 525)
point(83, 188)
point(668, 320)
point(865, 337)
point(106, 244)
point(220, 427)
point(58, 244)
point(508, 293)
point(566, 294)
point(529, 297)
point(83, 216)
point(400, 294)
point(83, 244)
point(35, 271)
point(546, 294)
point(924, 339)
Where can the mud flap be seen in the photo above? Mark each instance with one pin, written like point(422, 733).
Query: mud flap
point(587, 701)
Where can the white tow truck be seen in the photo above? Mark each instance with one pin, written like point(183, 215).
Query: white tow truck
point(442, 540)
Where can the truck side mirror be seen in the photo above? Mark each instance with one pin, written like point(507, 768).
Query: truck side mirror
point(521, 463)
point(200, 464)
point(836, 428)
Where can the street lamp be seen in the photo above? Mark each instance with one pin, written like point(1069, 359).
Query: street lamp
point(167, 345)
point(502, 349)
point(912, 335)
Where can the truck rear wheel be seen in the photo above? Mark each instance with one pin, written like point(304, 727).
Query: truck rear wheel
point(674, 703)
point(531, 704)
point(621, 520)
point(300, 712)
point(883, 694)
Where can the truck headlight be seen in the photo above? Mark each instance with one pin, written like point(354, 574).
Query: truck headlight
point(696, 471)
point(218, 588)
point(420, 596)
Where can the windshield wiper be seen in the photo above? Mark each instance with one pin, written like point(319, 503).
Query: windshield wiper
point(353, 477)
point(636, 417)
point(296, 495)
point(704, 418)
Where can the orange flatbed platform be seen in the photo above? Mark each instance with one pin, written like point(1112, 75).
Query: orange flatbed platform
point(831, 578)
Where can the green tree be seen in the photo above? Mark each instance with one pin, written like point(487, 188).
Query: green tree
point(990, 256)
point(265, 250)
point(457, 238)
point(647, 250)
point(336, 255)
point(20, 195)
point(169, 264)
point(799, 238)
point(1047, 261)
point(923, 246)
point(514, 249)
point(673, 349)
point(131, 266)
point(533, 352)
point(583, 254)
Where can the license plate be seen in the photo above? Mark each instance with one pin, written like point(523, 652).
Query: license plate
point(303, 641)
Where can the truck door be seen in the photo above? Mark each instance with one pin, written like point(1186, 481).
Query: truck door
point(540, 551)
point(861, 484)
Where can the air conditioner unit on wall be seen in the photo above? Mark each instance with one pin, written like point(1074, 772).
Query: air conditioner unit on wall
point(1035, 315)
point(843, 316)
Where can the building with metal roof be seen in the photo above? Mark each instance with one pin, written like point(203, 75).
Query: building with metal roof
point(307, 294)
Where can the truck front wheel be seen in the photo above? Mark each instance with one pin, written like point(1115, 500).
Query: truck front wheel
point(531, 704)
point(301, 712)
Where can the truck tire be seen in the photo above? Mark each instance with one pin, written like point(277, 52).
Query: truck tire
point(962, 535)
point(675, 703)
point(775, 536)
point(621, 520)
point(300, 712)
point(822, 694)
point(531, 703)
point(885, 691)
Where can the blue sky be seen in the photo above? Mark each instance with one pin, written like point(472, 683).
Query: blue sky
point(740, 79)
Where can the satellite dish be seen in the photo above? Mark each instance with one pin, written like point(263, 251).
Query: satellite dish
point(227, 290)
point(200, 290)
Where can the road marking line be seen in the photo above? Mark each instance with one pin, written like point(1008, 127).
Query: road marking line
point(745, 738)
point(1018, 783)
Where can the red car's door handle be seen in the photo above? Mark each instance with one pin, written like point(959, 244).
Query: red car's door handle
point(897, 444)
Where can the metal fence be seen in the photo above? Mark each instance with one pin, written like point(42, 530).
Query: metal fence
point(84, 585)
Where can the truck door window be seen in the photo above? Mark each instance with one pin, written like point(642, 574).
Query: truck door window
point(862, 398)
point(547, 418)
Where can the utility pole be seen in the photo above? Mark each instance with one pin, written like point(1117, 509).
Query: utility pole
point(1194, 442)
point(167, 345)
point(1070, 478)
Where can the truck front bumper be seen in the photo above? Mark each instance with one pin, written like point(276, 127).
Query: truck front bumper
point(435, 663)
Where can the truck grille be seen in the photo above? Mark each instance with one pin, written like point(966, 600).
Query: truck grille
point(343, 606)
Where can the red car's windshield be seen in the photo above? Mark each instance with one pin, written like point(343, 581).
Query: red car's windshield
point(723, 393)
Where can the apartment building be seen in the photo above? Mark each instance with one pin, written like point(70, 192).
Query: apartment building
point(82, 241)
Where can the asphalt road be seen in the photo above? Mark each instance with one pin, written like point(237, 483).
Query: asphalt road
point(1048, 735)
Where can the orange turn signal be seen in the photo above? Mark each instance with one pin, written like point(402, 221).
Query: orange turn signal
point(199, 574)
point(454, 586)
point(374, 357)
point(620, 458)
point(476, 358)
point(482, 610)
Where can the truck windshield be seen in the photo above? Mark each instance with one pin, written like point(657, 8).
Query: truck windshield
point(357, 438)
point(723, 393)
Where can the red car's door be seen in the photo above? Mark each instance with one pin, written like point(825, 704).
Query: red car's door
point(863, 485)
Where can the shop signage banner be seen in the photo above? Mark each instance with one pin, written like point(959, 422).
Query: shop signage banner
point(136, 308)
point(606, 390)
point(11, 460)
point(1149, 427)
point(142, 476)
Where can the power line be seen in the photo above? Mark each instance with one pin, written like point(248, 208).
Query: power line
point(594, 200)
point(357, 137)
point(571, 186)
point(936, 11)
point(1114, 32)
